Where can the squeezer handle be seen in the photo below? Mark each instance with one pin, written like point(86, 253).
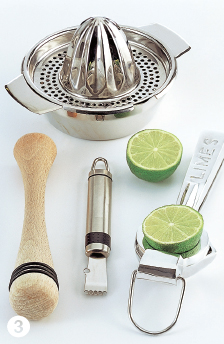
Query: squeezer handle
point(203, 169)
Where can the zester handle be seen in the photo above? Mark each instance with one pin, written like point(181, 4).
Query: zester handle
point(168, 37)
point(34, 295)
point(98, 224)
point(203, 169)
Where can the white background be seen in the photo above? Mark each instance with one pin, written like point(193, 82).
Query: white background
point(194, 104)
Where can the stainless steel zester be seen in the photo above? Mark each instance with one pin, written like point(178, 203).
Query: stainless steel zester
point(98, 228)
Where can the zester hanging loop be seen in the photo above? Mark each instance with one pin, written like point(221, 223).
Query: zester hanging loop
point(96, 161)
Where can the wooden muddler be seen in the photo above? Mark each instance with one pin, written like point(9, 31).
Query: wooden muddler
point(34, 290)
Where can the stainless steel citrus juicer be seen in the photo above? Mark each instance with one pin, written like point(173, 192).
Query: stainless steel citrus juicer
point(161, 267)
point(96, 81)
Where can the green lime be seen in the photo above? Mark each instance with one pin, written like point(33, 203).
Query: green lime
point(193, 251)
point(173, 228)
point(149, 247)
point(153, 154)
point(122, 114)
point(187, 254)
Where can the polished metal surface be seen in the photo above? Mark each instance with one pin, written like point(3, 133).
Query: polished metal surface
point(99, 208)
point(203, 169)
point(158, 266)
point(168, 37)
point(104, 126)
point(113, 98)
point(98, 227)
point(23, 94)
point(99, 61)
point(191, 265)
point(130, 303)
point(96, 277)
point(156, 68)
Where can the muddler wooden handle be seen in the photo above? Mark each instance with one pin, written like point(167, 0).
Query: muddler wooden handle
point(34, 295)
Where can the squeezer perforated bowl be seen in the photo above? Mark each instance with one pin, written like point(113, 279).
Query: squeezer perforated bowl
point(98, 80)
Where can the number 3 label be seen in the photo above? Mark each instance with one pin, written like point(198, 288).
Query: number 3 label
point(18, 326)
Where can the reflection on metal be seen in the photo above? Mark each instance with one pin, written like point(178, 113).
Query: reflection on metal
point(72, 114)
point(99, 70)
point(157, 266)
point(98, 227)
point(203, 169)
point(130, 302)
point(99, 61)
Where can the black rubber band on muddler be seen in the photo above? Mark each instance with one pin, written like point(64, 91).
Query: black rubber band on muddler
point(98, 237)
point(34, 267)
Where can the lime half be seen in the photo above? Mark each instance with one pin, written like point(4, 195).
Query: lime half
point(153, 154)
point(173, 228)
point(186, 254)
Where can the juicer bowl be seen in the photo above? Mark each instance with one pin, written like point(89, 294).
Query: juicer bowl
point(99, 81)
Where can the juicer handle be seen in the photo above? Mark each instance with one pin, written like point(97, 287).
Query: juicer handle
point(34, 295)
point(24, 95)
point(168, 37)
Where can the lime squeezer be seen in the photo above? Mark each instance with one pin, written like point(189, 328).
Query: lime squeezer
point(158, 266)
